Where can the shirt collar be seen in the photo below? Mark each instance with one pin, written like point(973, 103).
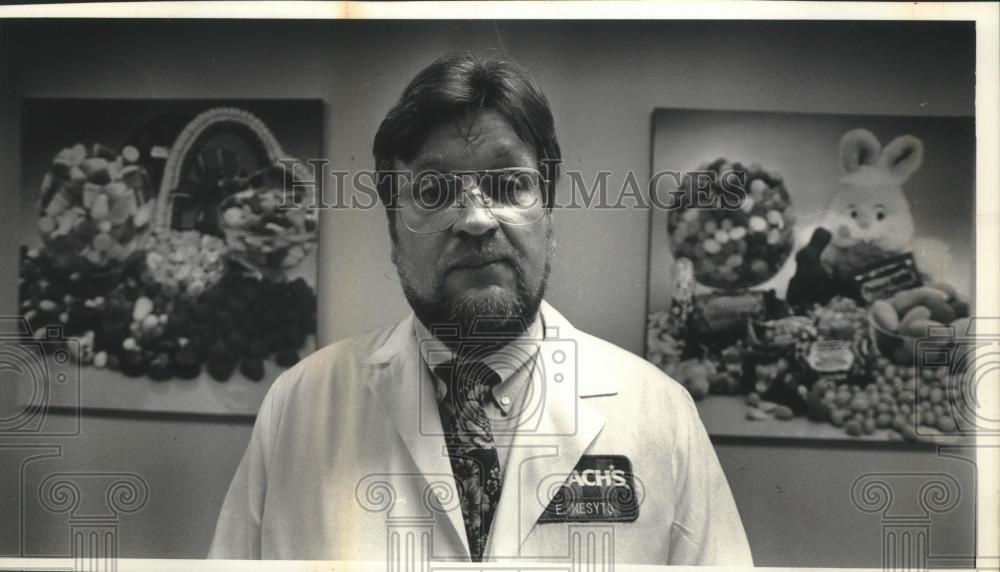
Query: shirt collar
point(516, 356)
point(401, 339)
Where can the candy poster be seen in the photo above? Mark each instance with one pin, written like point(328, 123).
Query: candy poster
point(166, 246)
point(796, 260)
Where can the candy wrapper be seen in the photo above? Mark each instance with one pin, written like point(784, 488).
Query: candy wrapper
point(673, 321)
point(745, 237)
point(791, 331)
point(719, 316)
point(95, 204)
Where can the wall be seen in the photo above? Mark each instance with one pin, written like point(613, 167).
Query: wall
point(604, 82)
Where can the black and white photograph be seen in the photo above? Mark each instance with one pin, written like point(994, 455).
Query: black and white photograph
point(158, 252)
point(739, 306)
point(499, 285)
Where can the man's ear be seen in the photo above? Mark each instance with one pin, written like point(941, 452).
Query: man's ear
point(550, 233)
point(903, 156)
point(858, 147)
point(393, 239)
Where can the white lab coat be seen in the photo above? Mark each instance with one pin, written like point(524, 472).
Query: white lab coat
point(347, 462)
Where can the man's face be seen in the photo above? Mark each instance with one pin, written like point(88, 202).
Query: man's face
point(479, 267)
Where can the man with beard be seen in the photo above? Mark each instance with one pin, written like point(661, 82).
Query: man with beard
point(482, 427)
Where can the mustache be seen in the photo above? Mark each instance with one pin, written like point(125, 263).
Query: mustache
point(479, 251)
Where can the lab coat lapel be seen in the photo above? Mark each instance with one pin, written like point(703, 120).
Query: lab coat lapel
point(541, 458)
point(400, 393)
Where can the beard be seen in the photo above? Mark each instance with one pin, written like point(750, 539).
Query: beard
point(472, 320)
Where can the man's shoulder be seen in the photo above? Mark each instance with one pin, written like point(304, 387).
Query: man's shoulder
point(604, 364)
point(630, 392)
point(601, 350)
point(351, 351)
point(339, 366)
point(632, 372)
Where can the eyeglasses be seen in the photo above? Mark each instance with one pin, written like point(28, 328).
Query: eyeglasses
point(433, 201)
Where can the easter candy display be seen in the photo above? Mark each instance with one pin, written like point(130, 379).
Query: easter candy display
point(898, 322)
point(95, 204)
point(195, 281)
point(143, 328)
point(736, 224)
point(845, 315)
point(184, 263)
point(664, 328)
point(837, 362)
point(272, 228)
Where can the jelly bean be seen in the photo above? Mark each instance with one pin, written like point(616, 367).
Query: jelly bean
point(885, 315)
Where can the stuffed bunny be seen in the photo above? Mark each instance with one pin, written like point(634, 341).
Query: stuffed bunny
point(868, 221)
point(870, 218)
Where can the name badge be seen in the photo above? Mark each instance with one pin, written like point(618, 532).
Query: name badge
point(600, 489)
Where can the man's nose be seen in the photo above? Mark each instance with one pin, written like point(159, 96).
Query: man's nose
point(475, 218)
point(864, 221)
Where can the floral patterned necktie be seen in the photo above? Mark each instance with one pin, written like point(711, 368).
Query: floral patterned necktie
point(469, 439)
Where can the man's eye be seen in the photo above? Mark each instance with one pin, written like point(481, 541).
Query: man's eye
point(431, 193)
point(517, 188)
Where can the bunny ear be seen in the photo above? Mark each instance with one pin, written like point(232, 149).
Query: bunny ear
point(903, 156)
point(858, 147)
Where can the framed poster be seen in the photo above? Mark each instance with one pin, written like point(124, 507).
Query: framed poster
point(798, 260)
point(169, 257)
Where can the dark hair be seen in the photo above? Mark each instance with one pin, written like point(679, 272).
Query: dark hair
point(453, 86)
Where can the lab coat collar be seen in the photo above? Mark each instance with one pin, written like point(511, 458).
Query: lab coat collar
point(506, 361)
point(402, 338)
point(399, 338)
